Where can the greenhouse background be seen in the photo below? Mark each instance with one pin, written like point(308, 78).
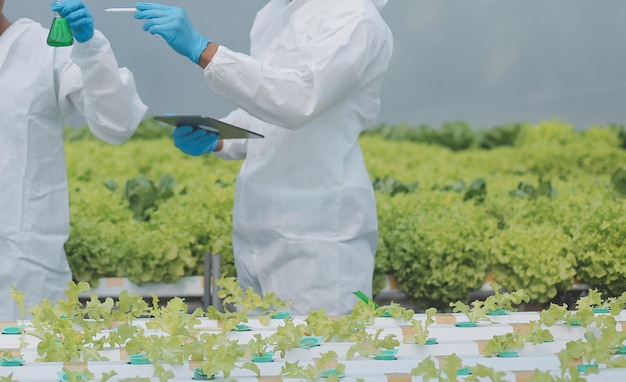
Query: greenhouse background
point(534, 207)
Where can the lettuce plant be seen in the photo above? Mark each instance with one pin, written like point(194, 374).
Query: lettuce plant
point(451, 368)
point(499, 344)
point(222, 355)
point(474, 312)
point(326, 367)
point(249, 302)
point(66, 335)
point(594, 350)
point(420, 336)
point(500, 301)
point(428, 369)
point(19, 297)
point(595, 301)
point(286, 337)
point(260, 346)
point(371, 344)
point(542, 270)
point(569, 374)
point(537, 334)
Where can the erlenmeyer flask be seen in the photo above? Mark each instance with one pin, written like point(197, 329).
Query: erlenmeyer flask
point(60, 34)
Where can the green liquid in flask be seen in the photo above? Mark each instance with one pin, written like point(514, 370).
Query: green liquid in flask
point(60, 34)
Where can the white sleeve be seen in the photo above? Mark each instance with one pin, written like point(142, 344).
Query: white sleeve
point(324, 72)
point(100, 91)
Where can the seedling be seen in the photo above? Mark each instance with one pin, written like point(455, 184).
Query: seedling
point(368, 309)
point(319, 324)
point(19, 297)
point(286, 337)
point(329, 367)
point(421, 330)
point(326, 367)
point(260, 348)
point(129, 307)
point(569, 374)
point(537, 334)
point(559, 313)
point(595, 302)
point(346, 329)
point(222, 355)
point(372, 345)
point(65, 333)
point(180, 343)
point(448, 372)
point(500, 303)
point(394, 310)
point(247, 302)
point(228, 320)
point(452, 368)
point(474, 313)
point(68, 331)
point(593, 350)
point(481, 373)
point(162, 373)
point(506, 345)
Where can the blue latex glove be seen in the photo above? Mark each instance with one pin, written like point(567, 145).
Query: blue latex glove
point(194, 140)
point(78, 18)
point(174, 26)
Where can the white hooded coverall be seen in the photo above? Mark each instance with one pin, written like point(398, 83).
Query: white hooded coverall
point(304, 219)
point(39, 87)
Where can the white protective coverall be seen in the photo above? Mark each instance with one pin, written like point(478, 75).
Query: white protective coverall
point(304, 219)
point(39, 86)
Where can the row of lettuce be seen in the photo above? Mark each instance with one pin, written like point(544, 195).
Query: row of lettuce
point(538, 211)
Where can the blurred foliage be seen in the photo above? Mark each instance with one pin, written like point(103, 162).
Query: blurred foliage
point(454, 203)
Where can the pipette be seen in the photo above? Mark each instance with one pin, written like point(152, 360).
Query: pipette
point(121, 10)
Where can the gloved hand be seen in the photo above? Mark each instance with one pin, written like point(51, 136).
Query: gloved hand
point(174, 26)
point(194, 140)
point(78, 18)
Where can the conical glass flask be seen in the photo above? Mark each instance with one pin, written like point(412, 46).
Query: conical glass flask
point(60, 34)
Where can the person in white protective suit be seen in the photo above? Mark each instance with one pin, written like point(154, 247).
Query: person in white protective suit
point(39, 87)
point(304, 219)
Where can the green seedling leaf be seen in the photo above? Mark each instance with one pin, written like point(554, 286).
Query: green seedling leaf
point(421, 330)
point(503, 343)
point(474, 312)
point(537, 334)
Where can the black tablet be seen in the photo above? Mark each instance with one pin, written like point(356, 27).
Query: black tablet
point(225, 130)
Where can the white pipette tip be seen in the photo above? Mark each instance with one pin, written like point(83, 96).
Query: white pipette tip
point(121, 10)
